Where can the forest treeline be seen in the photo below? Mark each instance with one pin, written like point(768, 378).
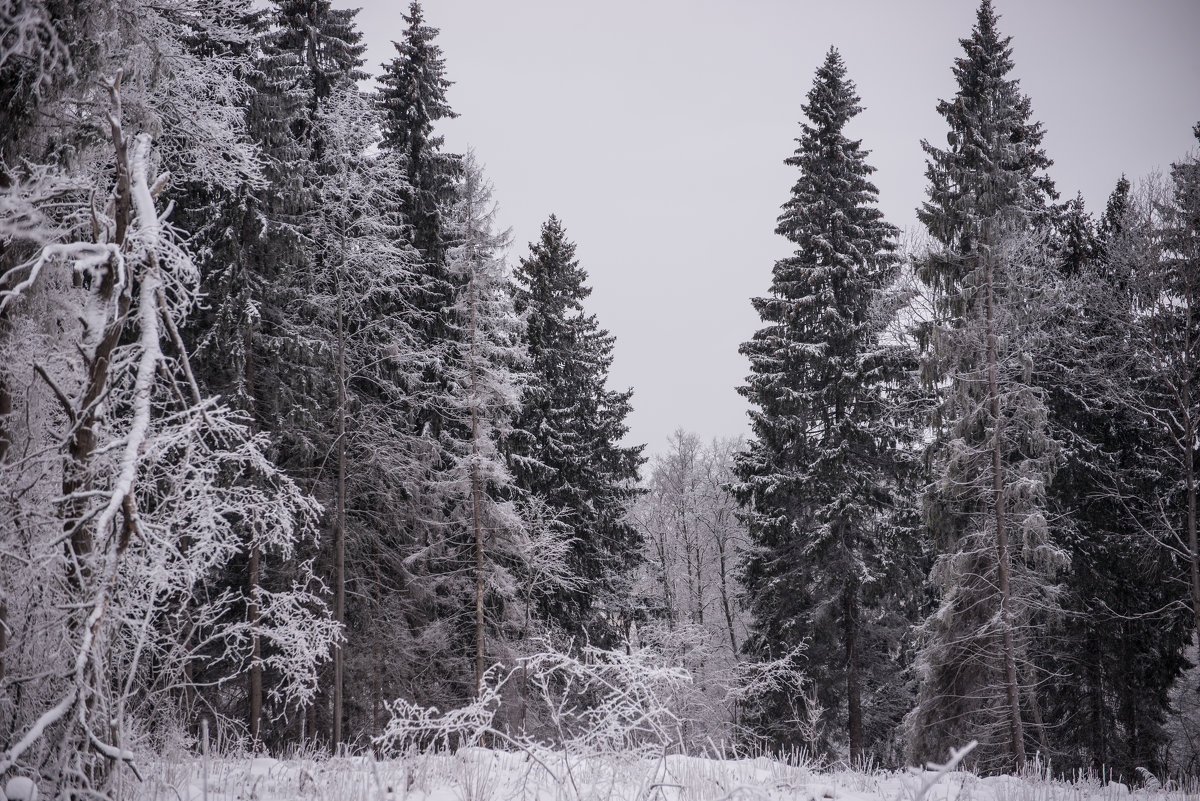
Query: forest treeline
point(284, 441)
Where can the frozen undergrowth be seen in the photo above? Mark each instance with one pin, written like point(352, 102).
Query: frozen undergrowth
point(480, 774)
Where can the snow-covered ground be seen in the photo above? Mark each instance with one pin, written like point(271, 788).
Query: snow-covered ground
point(477, 774)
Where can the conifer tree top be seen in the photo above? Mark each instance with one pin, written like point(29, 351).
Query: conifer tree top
point(551, 272)
point(414, 88)
point(1114, 212)
point(817, 313)
point(329, 39)
point(994, 157)
point(831, 215)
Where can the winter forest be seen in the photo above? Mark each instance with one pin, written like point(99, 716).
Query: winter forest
point(295, 461)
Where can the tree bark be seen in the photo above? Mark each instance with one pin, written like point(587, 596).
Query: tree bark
point(1192, 544)
point(254, 699)
point(5, 438)
point(339, 527)
point(724, 587)
point(1189, 472)
point(83, 439)
point(1095, 678)
point(475, 492)
point(377, 662)
point(1189, 455)
point(853, 678)
point(1035, 711)
point(1016, 736)
point(254, 571)
point(3, 636)
point(666, 579)
point(5, 405)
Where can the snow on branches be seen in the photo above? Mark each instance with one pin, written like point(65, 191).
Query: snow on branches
point(129, 491)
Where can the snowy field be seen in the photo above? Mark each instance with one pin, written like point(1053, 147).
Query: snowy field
point(477, 774)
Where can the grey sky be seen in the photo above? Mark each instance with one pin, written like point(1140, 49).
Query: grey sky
point(656, 130)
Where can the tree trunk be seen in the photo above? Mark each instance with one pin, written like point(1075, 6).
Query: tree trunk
point(1016, 736)
point(3, 637)
point(189, 672)
point(724, 586)
point(1035, 711)
point(1129, 700)
point(692, 591)
point(5, 411)
point(339, 528)
point(666, 579)
point(1095, 678)
point(254, 698)
point(377, 662)
point(475, 492)
point(1189, 455)
point(83, 441)
point(5, 406)
point(853, 681)
point(1189, 472)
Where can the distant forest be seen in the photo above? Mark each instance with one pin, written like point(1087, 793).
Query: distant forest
point(288, 450)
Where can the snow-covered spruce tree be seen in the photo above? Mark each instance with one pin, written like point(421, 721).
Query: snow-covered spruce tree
point(37, 63)
point(254, 337)
point(439, 546)
point(1173, 337)
point(565, 445)
point(1077, 243)
point(1166, 279)
point(1113, 222)
point(993, 455)
point(222, 224)
point(1122, 650)
point(129, 491)
point(414, 99)
point(817, 480)
point(489, 370)
point(326, 42)
point(359, 309)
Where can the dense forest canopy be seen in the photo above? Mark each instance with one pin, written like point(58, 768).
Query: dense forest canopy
point(291, 455)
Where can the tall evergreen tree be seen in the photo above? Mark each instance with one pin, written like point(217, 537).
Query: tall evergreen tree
point(1078, 245)
point(264, 341)
point(1116, 212)
point(817, 481)
point(326, 41)
point(565, 447)
point(1122, 651)
point(988, 199)
point(490, 372)
point(1175, 336)
point(413, 97)
point(413, 100)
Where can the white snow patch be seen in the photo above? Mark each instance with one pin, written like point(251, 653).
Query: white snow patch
point(481, 774)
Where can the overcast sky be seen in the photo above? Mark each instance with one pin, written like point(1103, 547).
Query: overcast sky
point(656, 130)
